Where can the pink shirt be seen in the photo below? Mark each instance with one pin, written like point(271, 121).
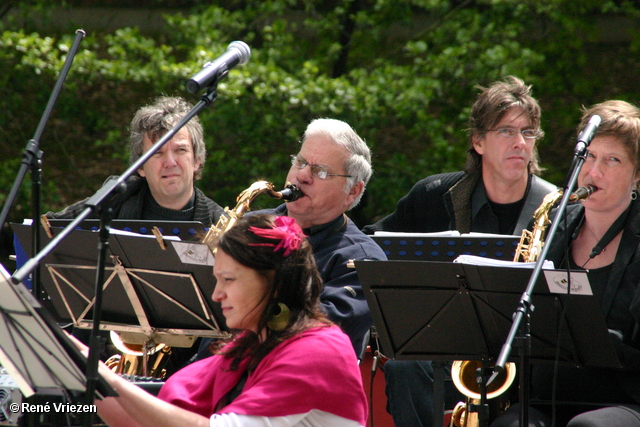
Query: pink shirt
point(316, 369)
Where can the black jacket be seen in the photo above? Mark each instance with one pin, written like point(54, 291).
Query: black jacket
point(128, 205)
point(620, 303)
point(441, 202)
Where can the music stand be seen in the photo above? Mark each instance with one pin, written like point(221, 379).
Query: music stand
point(445, 246)
point(36, 353)
point(156, 290)
point(453, 311)
point(185, 230)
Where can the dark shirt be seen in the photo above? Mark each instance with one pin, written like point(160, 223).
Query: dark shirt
point(153, 211)
point(507, 215)
point(597, 277)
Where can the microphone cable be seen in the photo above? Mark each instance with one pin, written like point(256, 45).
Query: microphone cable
point(377, 355)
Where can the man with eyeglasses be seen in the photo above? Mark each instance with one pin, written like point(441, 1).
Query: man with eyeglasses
point(332, 169)
point(498, 192)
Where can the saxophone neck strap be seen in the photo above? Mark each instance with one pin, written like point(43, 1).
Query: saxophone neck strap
point(612, 232)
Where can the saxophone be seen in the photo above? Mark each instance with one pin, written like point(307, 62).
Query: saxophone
point(531, 242)
point(463, 372)
point(136, 359)
point(289, 194)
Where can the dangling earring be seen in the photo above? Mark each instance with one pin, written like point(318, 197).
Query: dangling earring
point(634, 195)
point(279, 318)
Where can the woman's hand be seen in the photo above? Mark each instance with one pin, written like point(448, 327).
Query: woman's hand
point(79, 344)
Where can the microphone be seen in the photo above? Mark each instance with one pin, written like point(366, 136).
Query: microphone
point(237, 53)
point(585, 137)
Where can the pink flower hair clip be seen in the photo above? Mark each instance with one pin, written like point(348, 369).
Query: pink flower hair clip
point(286, 230)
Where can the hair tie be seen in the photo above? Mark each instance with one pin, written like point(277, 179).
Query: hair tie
point(286, 230)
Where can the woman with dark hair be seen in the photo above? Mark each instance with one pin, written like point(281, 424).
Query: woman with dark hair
point(287, 365)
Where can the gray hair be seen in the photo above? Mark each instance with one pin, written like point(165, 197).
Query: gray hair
point(154, 120)
point(358, 164)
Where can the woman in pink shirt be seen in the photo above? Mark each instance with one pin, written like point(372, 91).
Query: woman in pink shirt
point(287, 365)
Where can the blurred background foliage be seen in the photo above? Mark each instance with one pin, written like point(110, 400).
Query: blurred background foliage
point(403, 73)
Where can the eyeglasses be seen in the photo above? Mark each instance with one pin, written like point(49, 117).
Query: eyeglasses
point(510, 133)
point(316, 170)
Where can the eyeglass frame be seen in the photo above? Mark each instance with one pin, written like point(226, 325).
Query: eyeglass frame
point(318, 171)
point(505, 132)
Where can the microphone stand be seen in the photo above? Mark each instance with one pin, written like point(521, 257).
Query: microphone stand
point(98, 203)
point(520, 328)
point(31, 159)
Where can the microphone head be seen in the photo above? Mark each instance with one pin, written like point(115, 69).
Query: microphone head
point(587, 134)
point(214, 71)
point(243, 48)
point(595, 120)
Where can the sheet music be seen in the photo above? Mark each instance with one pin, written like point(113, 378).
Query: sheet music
point(29, 351)
point(131, 233)
point(477, 260)
point(450, 233)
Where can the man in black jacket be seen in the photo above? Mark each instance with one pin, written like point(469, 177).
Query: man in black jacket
point(163, 188)
point(498, 192)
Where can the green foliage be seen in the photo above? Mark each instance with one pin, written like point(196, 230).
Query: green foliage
point(410, 71)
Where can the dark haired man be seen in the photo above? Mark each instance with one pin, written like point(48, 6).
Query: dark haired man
point(498, 192)
point(163, 188)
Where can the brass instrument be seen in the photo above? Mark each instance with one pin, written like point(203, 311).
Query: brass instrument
point(531, 242)
point(289, 194)
point(142, 355)
point(463, 373)
point(146, 359)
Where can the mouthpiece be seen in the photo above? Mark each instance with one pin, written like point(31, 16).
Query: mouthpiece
point(582, 193)
point(290, 193)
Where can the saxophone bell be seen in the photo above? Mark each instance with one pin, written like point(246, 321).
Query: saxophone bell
point(583, 192)
point(464, 376)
